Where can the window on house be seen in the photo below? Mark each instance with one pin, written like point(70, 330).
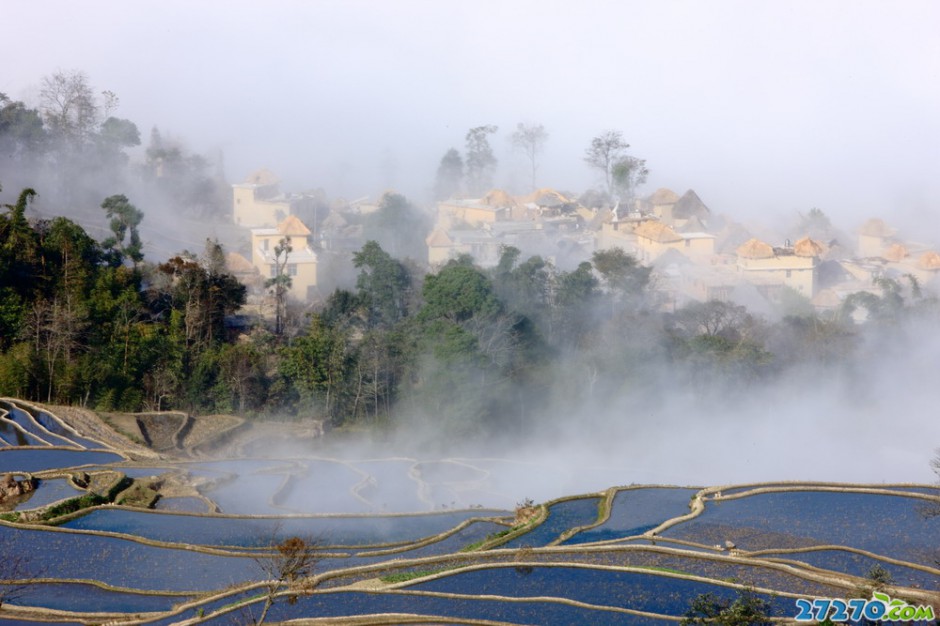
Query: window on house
point(291, 269)
point(688, 242)
point(273, 270)
point(264, 244)
point(788, 273)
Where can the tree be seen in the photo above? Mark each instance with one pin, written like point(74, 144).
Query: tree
point(481, 163)
point(607, 154)
point(382, 284)
point(290, 562)
point(125, 218)
point(622, 273)
point(68, 105)
point(398, 226)
point(449, 175)
point(627, 174)
point(530, 139)
point(746, 610)
point(281, 282)
point(22, 135)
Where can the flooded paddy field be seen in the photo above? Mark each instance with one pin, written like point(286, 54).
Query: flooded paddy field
point(110, 534)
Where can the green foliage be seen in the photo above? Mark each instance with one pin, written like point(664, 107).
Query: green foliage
point(746, 610)
point(382, 283)
point(401, 577)
point(72, 505)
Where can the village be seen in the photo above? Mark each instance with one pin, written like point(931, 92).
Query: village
point(696, 254)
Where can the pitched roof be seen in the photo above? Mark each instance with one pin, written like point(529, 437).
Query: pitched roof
point(438, 238)
point(238, 264)
point(929, 261)
point(895, 252)
point(292, 226)
point(498, 198)
point(657, 231)
point(546, 196)
point(264, 176)
point(690, 205)
point(875, 228)
point(808, 247)
point(755, 249)
point(664, 196)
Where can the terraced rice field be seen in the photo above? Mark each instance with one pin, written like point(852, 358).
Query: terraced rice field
point(409, 537)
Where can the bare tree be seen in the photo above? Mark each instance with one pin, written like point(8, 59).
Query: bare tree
point(291, 561)
point(607, 153)
point(530, 139)
point(68, 105)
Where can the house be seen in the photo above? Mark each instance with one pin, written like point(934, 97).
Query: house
point(873, 237)
point(258, 202)
point(301, 260)
point(474, 212)
point(689, 208)
point(794, 266)
point(653, 238)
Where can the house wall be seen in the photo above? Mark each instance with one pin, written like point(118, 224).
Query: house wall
point(869, 245)
point(252, 211)
point(793, 271)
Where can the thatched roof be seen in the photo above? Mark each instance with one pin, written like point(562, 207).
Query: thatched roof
point(547, 197)
point(929, 261)
point(895, 252)
point(237, 264)
point(808, 247)
point(755, 249)
point(875, 228)
point(693, 225)
point(438, 238)
point(498, 198)
point(264, 176)
point(690, 205)
point(293, 227)
point(664, 196)
point(657, 231)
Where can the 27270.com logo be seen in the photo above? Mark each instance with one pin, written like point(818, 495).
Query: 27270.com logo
point(879, 608)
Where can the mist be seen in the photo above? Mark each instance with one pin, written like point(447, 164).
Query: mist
point(766, 110)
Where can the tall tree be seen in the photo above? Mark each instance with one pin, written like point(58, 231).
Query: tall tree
point(280, 283)
point(481, 163)
point(627, 174)
point(607, 154)
point(449, 175)
point(125, 218)
point(382, 284)
point(530, 139)
point(69, 107)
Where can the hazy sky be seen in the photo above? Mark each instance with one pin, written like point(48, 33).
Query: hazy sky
point(761, 107)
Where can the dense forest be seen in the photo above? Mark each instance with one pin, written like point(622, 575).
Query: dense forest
point(473, 350)
point(90, 321)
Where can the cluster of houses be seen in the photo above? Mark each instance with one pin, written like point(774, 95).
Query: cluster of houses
point(696, 255)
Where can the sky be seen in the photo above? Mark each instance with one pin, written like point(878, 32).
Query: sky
point(764, 108)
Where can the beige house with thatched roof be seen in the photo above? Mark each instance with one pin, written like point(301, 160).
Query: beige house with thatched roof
point(873, 237)
point(258, 202)
point(495, 206)
point(795, 266)
point(301, 261)
point(686, 208)
point(653, 238)
point(661, 202)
